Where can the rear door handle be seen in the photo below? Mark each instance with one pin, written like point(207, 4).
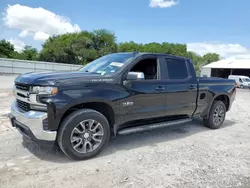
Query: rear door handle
point(159, 88)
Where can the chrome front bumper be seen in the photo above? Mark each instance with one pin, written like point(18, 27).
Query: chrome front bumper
point(30, 124)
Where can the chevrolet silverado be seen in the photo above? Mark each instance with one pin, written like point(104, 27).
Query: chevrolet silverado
point(120, 93)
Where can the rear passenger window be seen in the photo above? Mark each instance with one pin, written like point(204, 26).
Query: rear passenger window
point(177, 69)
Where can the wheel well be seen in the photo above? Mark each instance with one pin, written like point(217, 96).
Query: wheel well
point(224, 99)
point(101, 107)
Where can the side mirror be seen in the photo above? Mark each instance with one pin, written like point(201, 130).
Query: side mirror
point(135, 76)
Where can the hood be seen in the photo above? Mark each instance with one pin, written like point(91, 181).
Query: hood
point(51, 78)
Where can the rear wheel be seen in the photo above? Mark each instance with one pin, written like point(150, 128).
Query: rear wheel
point(217, 115)
point(83, 134)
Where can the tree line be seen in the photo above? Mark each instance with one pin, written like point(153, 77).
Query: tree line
point(85, 46)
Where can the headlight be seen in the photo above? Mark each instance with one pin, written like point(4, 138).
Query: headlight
point(45, 90)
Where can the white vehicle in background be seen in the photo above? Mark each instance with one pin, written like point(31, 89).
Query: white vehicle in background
point(241, 81)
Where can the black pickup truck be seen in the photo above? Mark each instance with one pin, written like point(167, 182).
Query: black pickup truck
point(119, 93)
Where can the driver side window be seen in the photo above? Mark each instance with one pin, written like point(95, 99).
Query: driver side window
point(240, 80)
point(148, 67)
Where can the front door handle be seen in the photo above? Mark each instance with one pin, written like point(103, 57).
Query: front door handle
point(192, 86)
point(159, 88)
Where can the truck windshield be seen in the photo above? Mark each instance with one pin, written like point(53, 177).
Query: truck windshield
point(245, 79)
point(108, 64)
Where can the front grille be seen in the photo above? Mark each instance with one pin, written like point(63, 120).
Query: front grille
point(23, 87)
point(23, 105)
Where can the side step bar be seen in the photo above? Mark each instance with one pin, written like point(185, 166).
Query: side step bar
point(152, 126)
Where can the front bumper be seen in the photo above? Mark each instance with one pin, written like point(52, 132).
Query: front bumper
point(30, 124)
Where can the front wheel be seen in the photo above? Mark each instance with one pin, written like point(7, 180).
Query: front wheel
point(83, 134)
point(217, 115)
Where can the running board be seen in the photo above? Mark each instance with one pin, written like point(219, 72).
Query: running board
point(152, 126)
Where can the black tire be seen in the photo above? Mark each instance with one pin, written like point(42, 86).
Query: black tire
point(73, 120)
point(209, 122)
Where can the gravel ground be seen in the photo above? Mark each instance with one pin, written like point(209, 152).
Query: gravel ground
point(187, 156)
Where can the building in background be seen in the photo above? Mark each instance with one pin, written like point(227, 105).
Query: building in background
point(226, 67)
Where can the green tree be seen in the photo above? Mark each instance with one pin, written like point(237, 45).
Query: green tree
point(58, 49)
point(129, 47)
point(6, 49)
point(152, 47)
point(168, 48)
point(210, 57)
point(28, 53)
point(172, 49)
point(85, 46)
point(78, 48)
point(104, 41)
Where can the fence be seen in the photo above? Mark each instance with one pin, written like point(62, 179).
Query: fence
point(14, 66)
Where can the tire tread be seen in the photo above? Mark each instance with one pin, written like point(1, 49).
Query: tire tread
point(65, 123)
point(208, 122)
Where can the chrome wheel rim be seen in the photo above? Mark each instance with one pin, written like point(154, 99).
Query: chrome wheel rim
point(219, 115)
point(87, 136)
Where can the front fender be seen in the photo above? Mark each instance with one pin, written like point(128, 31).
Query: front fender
point(65, 100)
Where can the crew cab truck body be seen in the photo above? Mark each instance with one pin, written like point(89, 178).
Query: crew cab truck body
point(118, 93)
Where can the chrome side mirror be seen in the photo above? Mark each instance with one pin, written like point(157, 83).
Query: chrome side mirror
point(135, 76)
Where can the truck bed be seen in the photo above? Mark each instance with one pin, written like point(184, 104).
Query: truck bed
point(215, 80)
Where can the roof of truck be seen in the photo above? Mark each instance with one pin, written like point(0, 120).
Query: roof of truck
point(152, 53)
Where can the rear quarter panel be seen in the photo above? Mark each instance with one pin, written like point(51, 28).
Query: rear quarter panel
point(210, 89)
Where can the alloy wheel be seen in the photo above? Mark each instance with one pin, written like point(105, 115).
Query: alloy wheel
point(87, 136)
point(219, 115)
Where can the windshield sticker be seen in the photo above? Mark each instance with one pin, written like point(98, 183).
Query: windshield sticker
point(117, 64)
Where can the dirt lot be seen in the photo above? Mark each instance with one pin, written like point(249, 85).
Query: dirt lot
point(188, 155)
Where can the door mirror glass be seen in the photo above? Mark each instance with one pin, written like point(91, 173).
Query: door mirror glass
point(135, 76)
